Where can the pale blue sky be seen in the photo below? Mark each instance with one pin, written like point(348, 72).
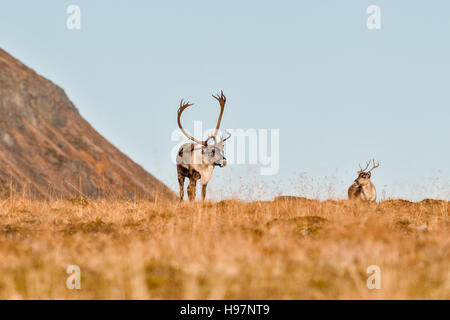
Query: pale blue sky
point(338, 92)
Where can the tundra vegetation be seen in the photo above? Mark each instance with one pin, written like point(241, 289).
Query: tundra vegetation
point(289, 248)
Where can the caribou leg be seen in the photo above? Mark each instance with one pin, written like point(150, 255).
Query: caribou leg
point(181, 183)
point(191, 189)
point(193, 178)
point(204, 191)
point(181, 178)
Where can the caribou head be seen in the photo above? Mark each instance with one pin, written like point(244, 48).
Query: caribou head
point(364, 175)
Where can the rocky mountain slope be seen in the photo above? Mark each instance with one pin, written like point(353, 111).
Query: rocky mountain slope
point(48, 150)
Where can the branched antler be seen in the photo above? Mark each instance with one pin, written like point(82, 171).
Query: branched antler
point(368, 164)
point(183, 106)
point(361, 169)
point(228, 137)
point(222, 100)
point(374, 165)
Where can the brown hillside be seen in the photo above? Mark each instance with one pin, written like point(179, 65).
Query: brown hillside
point(48, 150)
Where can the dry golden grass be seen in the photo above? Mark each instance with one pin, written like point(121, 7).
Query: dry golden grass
point(287, 249)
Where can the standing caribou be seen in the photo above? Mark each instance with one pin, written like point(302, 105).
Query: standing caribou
point(362, 188)
point(197, 160)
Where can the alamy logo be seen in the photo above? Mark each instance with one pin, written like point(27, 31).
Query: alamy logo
point(74, 280)
point(74, 19)
point(374, 281)
point(251, 146)
point(374, 20)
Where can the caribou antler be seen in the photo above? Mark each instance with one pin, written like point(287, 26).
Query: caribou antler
point(222, 99)
point(183, 106)
point(209, 138)
point(367, 165)
point(228, 137)
point(374, 165)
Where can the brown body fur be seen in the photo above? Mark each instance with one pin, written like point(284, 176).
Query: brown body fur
point(354, 191)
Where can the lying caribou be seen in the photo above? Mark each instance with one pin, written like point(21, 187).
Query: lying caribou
point(362, 188)
point(197, 160)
